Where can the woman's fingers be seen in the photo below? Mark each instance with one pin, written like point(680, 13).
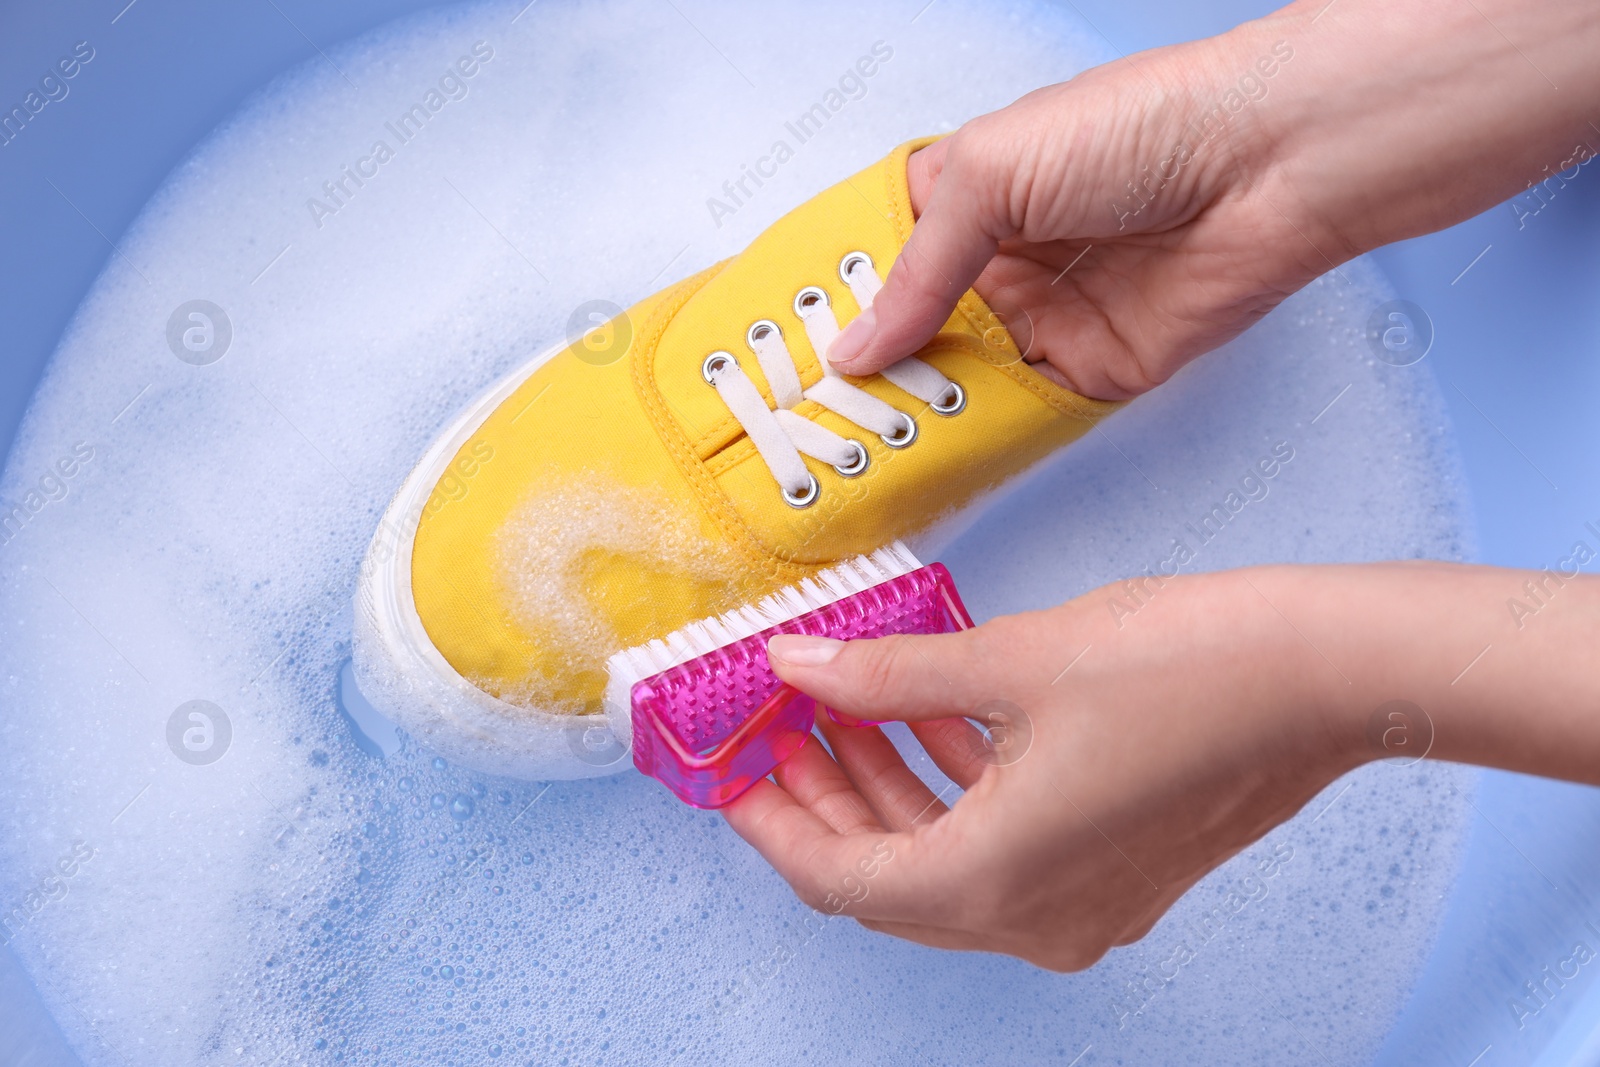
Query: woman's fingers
point(900, 798)
point(956, 747)
point(788, 834)
point(946, 252)
point(868, 874)
point(820, 785)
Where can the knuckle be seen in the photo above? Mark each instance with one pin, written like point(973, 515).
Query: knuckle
point(914, 282)
point(811, 897)
point(972, 143)
point(974, 654)
point(880, 678)
point(812, 893)
point(1066, 958)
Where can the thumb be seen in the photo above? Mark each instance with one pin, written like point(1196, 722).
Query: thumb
point(908, 678)
point(950, 245)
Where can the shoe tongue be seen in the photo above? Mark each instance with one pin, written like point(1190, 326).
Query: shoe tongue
point(869, 212)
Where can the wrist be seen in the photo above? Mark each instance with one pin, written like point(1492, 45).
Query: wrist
point(1470, 664)
point(1251, 642)
point(1299, 612)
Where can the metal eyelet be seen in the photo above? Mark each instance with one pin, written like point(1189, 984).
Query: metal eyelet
point(903, 439)
point(808, 298)
point(850, 262)
point(807, 498)
point(760, 330)
point(953, 406)
point(850, 470)
point(715, 364)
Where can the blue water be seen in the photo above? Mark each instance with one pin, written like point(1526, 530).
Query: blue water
point(1515, 356)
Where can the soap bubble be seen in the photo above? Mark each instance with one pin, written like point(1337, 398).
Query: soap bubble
point(595, 745)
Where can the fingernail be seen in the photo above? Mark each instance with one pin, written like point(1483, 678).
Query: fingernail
point(803, 650)
point(852, 340)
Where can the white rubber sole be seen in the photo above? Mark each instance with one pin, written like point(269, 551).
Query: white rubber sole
point(405, 677)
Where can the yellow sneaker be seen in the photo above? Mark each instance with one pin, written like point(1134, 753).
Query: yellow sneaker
point(689, 457)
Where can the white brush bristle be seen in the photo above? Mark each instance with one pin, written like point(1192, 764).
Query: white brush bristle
point(696, 639)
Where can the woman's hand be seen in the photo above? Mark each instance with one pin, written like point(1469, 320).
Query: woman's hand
point(1135, 751)
point(1114, 242)
point(1126, 764)
point(1124, 222)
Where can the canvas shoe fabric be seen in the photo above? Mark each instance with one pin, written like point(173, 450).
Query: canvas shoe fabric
point(690, 457)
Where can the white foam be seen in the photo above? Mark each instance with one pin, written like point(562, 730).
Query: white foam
point(300, 893)
point(544, 556)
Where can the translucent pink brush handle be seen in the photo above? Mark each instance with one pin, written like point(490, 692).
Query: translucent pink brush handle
point(711, 728)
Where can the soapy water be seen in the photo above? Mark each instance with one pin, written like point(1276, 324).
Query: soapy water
point(324, 890)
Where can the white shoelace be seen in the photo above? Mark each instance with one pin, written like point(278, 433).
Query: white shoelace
point(781, 435)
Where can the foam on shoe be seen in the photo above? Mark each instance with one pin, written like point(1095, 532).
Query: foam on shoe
point(554, 545)
point(301, 901)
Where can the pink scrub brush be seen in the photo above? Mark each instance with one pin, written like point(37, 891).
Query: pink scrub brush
point(709, 719)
